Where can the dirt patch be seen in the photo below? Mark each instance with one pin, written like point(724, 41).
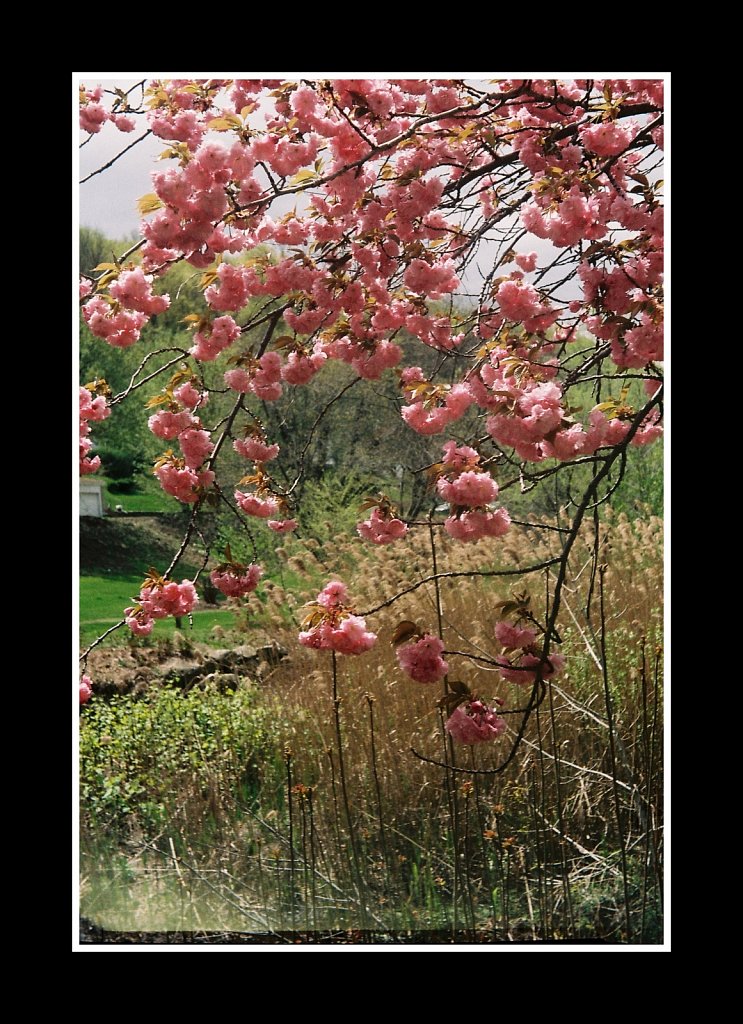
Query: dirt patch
point(120, 670)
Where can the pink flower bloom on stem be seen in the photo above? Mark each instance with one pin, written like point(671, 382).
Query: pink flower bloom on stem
point(196, 446)
point(133, 289)
point(349, 637)
point(333, 595)
point(254, 506)
point(458, 459)
point(514, 636)
point(522, 670)
point(282, 525)
point(190, 397)
point(238, 379)
point(338, 629)
point(518, 301)
point(256, 449)
point(123, 123)
point(93, 408)
point(119, 329)
point(474, 722)
point(527, 261)
point(380, 529)
point(474, 525)
point(176, 599)
point(92, 118)
point(223, 332)
point(607, 139)
point(422, 660)
point(139, 622)
point(300, 369)
point(168, 425)
point(433, 281)
point(469, 488)
point(237, 581)
point(181, 482)
point(266, 383)
point(86, 689)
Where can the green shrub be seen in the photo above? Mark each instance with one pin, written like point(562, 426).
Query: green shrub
point(149, 759)
point(126, 486)
point(120, 465)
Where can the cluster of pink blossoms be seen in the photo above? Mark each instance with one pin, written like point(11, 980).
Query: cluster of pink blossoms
point(528, 413)
point(236, 580)
point(431, 407)
point(256, 449)
point(382, 526)
point(332, 625)
point(214, 338)
point(475, 722)
point(522, 658)
point(119, 317)
point(159, 598)
point(183, 478)
point(262, 504)
point(93, 115)
point(422, 660)
point(90, 409)
point(86, 689)
point(377, 243)
point(469, 490)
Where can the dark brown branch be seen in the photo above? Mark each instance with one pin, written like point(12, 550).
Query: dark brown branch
point(118, 156)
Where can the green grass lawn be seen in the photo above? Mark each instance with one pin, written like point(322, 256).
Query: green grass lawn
point(103, 599)
point(149, 497)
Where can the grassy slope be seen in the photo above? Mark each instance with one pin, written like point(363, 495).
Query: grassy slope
point(114, 554)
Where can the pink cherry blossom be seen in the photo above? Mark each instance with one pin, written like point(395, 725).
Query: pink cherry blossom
point(177, 599)
point(526, 260)
point(236, 581)
point(514, 636)
point(222, 332)
point(338, 629)
point(422, 660)
point(86, 689)
point(333, 595)
point(133, 289)
point(138, 621)
point(254, 448)
point(167, 425)
point(474, 722)
point(350, 637)
point(607, 139)
point(196, 446)
point(181, 482)
point(92, 118)
point(263, 508)
point(515, 670)
point(282, 525)
point(381, 529)
point(190, 397)
point(475, 525)
point(469, 488)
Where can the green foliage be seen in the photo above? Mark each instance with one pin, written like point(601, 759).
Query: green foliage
point(119, 464)
point(143, 760)
point(126, 486)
